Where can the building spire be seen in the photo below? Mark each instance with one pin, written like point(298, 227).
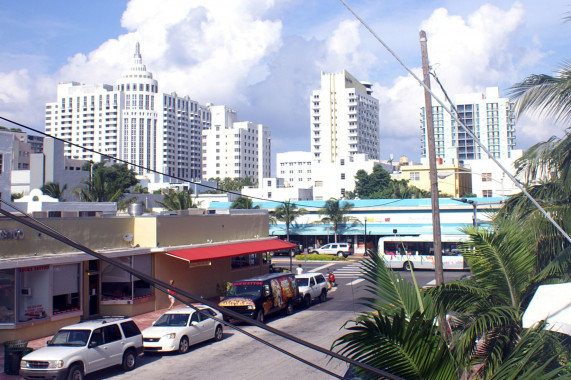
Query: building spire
point(137, 55)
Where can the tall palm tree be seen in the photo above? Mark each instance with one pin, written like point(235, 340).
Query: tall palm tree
point(97, 189)
point(335, 212)
point(288, 212)
point(243, 203)
point(54, 190)
point(177, 200)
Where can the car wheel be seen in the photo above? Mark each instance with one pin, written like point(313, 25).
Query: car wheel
point(315, 253)
point(289, 308)
point(340, 254)
point(260, 316)
point(75, 372)
point(323, 296)
point(307, 300)
point(407, 266)
point(218, 333)
point(183, 345)
point(129, 360)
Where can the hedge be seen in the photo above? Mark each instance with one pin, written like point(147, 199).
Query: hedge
point(317, 257)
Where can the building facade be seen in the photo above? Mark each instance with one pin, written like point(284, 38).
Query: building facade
point(487, 115)
point(295, 168)
point(453, 179)
point(489, 180)
point(131, 121)
point(344, 119)
point(235, 149)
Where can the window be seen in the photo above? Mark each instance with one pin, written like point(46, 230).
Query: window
point(486, 177)
point(342, 175)
point(487, 193)
point(415, 176)
point(65, 288)
point(245, 261)
point(7, 295)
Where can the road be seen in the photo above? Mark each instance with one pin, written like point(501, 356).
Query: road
point(240, 357)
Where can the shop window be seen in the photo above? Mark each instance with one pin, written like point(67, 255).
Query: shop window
point(116, 284)
point(65, 288)
point(245, 261)
point(35, 293)
point(7, 297)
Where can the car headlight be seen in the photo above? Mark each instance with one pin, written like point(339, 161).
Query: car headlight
point(251, 307)
point(170, 336)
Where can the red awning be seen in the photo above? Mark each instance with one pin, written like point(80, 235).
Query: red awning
point(229, 250)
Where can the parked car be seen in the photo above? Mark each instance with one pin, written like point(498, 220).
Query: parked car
point(312, 286)
point(339, 249)
point(178, 329)
point(85, 347)
point(289, 252)
point(260, 296)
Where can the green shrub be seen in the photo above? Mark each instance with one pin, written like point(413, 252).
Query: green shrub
point(320, 257)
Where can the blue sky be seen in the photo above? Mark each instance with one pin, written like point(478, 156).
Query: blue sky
point(264, 58)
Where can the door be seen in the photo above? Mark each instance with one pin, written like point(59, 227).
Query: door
point(93, 273)
point(97, 357)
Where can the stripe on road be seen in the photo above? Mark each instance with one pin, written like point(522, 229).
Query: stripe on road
point(355, 282)
point(321, 267)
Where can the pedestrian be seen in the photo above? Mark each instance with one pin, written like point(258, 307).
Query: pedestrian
point(332, 278)
point(299, 269)
point(171, 295)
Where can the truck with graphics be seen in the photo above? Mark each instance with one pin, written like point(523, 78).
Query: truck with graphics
point(260, 296)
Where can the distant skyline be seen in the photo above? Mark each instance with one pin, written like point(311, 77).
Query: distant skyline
point(263, 58)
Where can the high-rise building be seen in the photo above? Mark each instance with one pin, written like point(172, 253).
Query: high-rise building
point(235, 149)
point(131, 121)
point(487, 115)
point(344, 119)
point(295, 168)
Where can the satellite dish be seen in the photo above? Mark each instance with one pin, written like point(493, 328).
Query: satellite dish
point(128, 237)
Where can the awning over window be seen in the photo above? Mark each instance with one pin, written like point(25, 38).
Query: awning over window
point(229, 250)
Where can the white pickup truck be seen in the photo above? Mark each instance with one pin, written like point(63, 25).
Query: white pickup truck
point(311, 286)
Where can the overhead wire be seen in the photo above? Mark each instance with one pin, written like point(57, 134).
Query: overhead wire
point(164, 287)
point(455, 117)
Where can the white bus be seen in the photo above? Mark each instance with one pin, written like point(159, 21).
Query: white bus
point(404, 252)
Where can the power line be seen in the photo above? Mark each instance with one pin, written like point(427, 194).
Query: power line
point(455, 117)
point(162, 286)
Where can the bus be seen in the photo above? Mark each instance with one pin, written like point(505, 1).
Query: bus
point(406, 252)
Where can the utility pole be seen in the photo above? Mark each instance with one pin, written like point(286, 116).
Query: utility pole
point(438, 271)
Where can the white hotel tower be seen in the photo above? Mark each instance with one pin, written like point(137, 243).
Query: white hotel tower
point(131, 121)
point(344, 119)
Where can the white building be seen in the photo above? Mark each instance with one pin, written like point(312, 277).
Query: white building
point(488, 180)
point(295, 168)
point(131, 121)
point(274, 189)
point(344, 119)
point(235, 149)
point(487, 115)
point(334, 179)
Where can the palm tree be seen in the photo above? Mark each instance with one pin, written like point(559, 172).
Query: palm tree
point(244, 203)
point(177, 200)
point(54, 190)
point(97, 189)
point(335, 212)
point(287, 212)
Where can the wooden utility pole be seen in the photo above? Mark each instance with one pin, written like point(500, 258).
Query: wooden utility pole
point(438, 272)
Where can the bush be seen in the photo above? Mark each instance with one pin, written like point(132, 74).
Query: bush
point(320, 257)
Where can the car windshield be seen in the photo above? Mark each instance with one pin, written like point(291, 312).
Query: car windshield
point(245, 291)
point(302, 281)
point(75, 338)
point(172, 320)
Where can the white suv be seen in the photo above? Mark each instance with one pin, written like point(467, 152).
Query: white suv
point(339, 249)
point(85, 347)
point(312, 286)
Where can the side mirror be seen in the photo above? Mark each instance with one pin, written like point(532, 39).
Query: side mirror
point(92, 344)
point(193, 323)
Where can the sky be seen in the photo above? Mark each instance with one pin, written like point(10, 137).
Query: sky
point(265, 57)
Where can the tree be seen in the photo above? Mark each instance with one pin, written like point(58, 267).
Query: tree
point(287, 212)
point(106, 183)
point(177, 200)
point(139, 189)
point(54, 190)
point(367, 185)
point(243, 203)
point(335, 212)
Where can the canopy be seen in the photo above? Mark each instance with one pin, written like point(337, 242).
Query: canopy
point(551, 303)
point(230, 250)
